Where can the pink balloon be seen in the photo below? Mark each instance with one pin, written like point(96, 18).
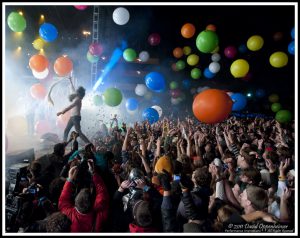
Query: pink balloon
point(230, 52)
point(154, 39)
point(42, 127)
point(95, 49)
point(80, 7)
point(175, 93)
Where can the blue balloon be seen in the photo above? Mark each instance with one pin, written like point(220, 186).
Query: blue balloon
point(239, 101)
point(186, 83)
point(132, 104)
point(48, 32)
point(293, 33)
point(260, 93)
point(291, 48)
point(208, 74)
point(155, 82)
point(151, 115)
point(243, 48)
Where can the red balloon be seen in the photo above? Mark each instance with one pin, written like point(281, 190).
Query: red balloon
point(42, 127)
point(95, 49)
point(38, 91)
point(63, 66)
point(211, 27)
point(230, 52)
point(154, 39)
point(80, 7)
point(212, 106)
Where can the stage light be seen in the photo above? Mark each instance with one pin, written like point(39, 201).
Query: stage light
point(19, 48)
point(21, 13)
point(249, 95)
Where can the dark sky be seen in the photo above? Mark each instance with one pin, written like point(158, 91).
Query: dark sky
point(235, 24)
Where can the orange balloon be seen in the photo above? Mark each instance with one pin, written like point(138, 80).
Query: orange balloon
point(38, 91)
point(188, 30)
point(212, 106)
point(177, 52)
point(63, 66)
point(211, 27)
point(38, 63)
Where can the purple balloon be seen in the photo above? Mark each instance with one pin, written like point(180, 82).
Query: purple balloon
point(175, 93)
point(154, 39)
point(95, 49)
point(80, 7)
point(230, 52)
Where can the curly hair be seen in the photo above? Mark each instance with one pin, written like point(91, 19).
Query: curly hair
point(202, 176)
point(58, 222)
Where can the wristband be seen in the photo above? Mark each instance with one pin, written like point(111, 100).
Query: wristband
point(70, 180)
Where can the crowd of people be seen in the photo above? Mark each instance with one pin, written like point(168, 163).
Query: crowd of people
point(171, 176)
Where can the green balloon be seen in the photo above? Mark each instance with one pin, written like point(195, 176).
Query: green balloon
point(276, 107)
point(207, 41)
point(92, 58)
point(129, 55)
point(112, 97)
point(173, 85)
point(16, 22)
point(180, 64)
point(97, 100)
point(196, 73)
point(283, 116)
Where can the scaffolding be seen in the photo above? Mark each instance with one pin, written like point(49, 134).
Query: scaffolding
point(95, 39)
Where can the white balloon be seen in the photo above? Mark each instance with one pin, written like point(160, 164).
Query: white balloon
point(158, 109)
point(121, 16)
point(214, 67)
point(144, 56)
point(41, 75)
point(216, 57)
point(141, 90)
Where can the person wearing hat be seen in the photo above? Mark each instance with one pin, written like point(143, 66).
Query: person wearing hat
point(75, 107)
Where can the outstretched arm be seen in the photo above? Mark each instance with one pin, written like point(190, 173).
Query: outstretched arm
point(72, 85)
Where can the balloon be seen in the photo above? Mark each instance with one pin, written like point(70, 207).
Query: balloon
point(208, 74)
point(92, 58)
point(97, 100)
point(121, 16)
point(151, 115)
point(48, 32)
point(212, 106)
point(112, 97)
point(260, 93)
point(195, 73)
point(187, 50)
point(140, 90)
point(129, 55)
point(144, 56)
point(207, 41)
point(38, 91)
point(275, 107)
point(293, 33)
point(63, 66)
point(273, 98)
point(239, 68)
point(132, 104)
point(155, 81)
point(186, 83)
point(95, 49)
point(188, 30)
point(41, 75)
point(230, 52)
point(291, 48)
point(175, 93)
point(214, 67)
point(180, 65)
point(239, 101)
point(17, 125)
point(192, 59)
point(278, 36)
point(38, 44)
point(177, 52)
point(42, 126)
point(173, 85)
point(255, 43)
point(278, 59)
point(38, 63)
point(154, 39)
point(80, 7)
point(158, 109)
point(216, 50)
point(215, 57)
point(283, 116)
point(211, 27)
point(174, 68)
point(243, 49)
point(16, 22)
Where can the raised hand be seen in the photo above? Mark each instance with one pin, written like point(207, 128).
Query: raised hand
point(73, 173)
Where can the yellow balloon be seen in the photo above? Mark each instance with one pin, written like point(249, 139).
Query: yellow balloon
point(192, 59)
point(38, 44)
point(255, 43)
point(187, 50)
point(216, 50)
point(279, 59)
point(239, 68)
